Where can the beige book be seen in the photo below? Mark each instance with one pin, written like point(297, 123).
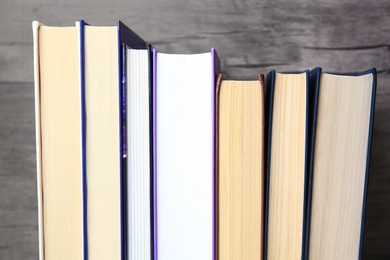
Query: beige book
point(58, 139)
point(341, 151)
point(240, 181)
point(287, 167)
point(102, 142)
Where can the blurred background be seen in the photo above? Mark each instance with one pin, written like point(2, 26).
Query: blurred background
point(250, 36)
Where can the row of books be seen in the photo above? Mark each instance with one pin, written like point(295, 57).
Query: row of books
point(148, 155)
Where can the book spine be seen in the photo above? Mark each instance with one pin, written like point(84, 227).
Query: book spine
point(215, 82)
point(155, 154)
point(122, 153)
point(80, 25)
point(369, 145)
point(314, 83)
point(269, 93)
point(151, 145)
point(123, 114)
point(216, 167)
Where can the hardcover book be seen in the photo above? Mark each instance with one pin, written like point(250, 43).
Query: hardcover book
point(343, 115)
point(149, 155)
point(103, 117)
point(80, 107)
point(58, 142)
point(184, 129)
point(240, 168)
point(138, 137)
point(287, 154)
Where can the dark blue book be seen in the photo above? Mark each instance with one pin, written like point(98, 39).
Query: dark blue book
point(287, 134)
point(342, 116)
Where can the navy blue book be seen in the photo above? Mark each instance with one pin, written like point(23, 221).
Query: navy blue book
point(342, 119)
point(287, 149)
point(104, 151)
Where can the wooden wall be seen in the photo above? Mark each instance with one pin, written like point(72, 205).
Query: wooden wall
point(250, 36)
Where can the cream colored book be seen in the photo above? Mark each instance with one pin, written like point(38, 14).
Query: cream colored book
point(287, 96)
point(342, 143)
point(240, 174)
point(102, 142)
point(58, 141)
point(80, 140)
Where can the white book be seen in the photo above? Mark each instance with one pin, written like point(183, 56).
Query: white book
point(184, 97)
point(139, 229)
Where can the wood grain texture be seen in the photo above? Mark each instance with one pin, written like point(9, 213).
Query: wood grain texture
point(250, 36)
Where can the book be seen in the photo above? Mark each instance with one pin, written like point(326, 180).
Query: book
point(103, 131)
point(287, 153)
point(139, 142)
point(148, 155)
point(240, 171)
point(184, 97)
point(341, 144)
point(58, 141)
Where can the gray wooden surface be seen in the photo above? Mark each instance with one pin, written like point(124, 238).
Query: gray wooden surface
point(250, 36)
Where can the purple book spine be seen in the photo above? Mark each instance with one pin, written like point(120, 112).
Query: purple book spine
point(215, 71)
point(155, 151)
point(83, 141)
